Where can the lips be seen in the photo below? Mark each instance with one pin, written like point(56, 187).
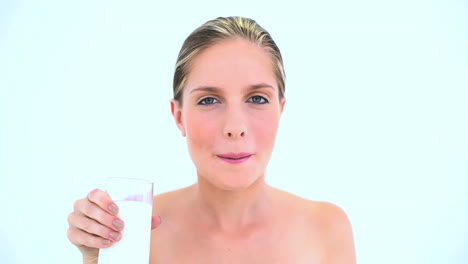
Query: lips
point(235, 158)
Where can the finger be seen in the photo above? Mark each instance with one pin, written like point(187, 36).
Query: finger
point(93, 227)
point(93, 211)
point(103, 200)
point(81, 238)
point(155, 221)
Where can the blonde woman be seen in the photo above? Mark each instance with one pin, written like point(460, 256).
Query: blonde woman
point(229, 88)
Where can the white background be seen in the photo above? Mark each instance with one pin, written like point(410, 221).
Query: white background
point(376, 119)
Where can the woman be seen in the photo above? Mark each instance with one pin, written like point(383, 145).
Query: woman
point(228, 100)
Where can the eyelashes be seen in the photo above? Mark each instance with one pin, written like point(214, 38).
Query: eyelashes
point(256, 99)
point(208, 101)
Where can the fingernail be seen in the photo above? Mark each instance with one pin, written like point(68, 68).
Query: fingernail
point(114, 235)
point(113, 208)
point(118, 224)
point(106, 242)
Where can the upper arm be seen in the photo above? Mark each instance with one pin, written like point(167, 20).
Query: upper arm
point(338, 236)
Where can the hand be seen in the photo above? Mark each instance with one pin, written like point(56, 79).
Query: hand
point(94, 224)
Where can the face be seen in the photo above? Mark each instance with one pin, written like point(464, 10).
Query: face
point(230, 113)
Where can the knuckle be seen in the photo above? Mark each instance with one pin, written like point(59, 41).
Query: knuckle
point(94, 213)
point(77, 205)
point(95, 195)
point(106, 218)
point(89, 209)
point(92, 241)
point(85, 208)
point(103, 217)
point(84, 239)
point(95, 228)
point(81, 238)
point(102, 231)
point(92, 194)
point(87, 225)
point(72, 236)
point(70, 219)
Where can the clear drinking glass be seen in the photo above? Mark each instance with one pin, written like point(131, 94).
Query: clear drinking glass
point(134, 197)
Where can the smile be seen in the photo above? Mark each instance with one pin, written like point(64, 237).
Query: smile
point(234, 158)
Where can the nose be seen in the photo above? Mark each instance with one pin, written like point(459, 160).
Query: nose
point(235, 124)
point(235, 134)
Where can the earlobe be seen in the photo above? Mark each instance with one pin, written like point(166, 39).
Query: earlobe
point(177, 114)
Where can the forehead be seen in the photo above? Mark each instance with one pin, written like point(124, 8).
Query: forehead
point(229, 64)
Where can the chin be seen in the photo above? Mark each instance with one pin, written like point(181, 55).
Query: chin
point(232, 181)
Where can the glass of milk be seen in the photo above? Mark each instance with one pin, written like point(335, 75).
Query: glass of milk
point(134, 197)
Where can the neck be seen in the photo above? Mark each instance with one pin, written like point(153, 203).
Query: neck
point(232, 210)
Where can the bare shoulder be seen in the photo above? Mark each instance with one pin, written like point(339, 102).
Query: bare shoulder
point(334, 228)
point(332, 217)
point(328, 223)
point(316, 209)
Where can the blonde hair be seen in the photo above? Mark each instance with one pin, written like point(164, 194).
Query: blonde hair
point(219, 29)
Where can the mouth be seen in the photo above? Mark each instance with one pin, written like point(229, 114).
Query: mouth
point(235, 158)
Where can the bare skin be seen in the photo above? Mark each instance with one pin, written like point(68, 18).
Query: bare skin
point(230, 116)
point(276, 227)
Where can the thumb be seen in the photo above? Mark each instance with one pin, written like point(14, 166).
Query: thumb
point(155, 221)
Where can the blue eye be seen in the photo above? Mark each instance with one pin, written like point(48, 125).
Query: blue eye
point(257, 99)
point(208, 101)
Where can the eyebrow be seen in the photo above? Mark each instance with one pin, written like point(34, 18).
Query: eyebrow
point(216, 89)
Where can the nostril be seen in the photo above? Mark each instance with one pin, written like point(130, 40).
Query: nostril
point(235, 135)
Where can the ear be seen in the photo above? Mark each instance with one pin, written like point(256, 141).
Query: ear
point(282, 103)
point(177, 114)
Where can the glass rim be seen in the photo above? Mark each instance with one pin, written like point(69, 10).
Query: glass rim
point(128, 179)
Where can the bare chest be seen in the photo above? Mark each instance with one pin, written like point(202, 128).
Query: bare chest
point(287, 245)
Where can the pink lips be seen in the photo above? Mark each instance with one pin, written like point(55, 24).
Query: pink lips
point(235, 158)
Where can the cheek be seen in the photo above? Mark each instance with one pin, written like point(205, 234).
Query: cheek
point(200, 131)
point(264, 131)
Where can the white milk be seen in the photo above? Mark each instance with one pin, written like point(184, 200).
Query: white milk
point(134, 247)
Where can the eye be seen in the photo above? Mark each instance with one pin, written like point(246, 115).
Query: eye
point(208, 101)
point(257, 99)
